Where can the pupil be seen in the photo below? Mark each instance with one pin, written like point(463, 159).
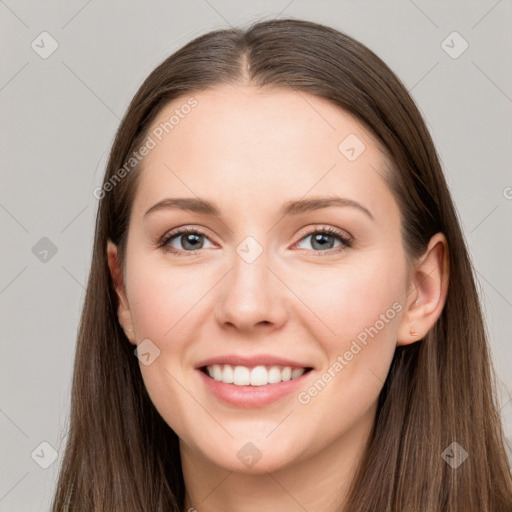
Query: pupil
point(320, 238)
point(191, 237)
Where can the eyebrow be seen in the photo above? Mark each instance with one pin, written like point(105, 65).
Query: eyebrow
point(294, 207)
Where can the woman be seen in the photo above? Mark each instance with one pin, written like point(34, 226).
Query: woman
point(277, 245)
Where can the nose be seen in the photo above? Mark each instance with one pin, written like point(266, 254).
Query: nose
point(251, 296)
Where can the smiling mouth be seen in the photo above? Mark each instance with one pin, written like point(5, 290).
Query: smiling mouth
point(254, 376)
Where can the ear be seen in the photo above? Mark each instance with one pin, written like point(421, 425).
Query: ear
point(426, 296)
point(123, 309)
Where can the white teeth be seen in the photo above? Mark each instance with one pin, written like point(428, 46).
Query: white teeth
point(257, 376)
point(241, 376)
point(217, 372)
point(227, 375)
point(274, 375)
point(297, 372)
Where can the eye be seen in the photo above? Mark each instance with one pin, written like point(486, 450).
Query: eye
point(190, 240)
point(324, 239)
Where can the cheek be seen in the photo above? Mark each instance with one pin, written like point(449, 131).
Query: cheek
point(164, 303)
point(162, 298)
point(349, 299)
point(357, 315)
point(362, 311)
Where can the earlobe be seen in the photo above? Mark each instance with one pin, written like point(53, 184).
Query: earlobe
point(427, 295)
point(123, 309)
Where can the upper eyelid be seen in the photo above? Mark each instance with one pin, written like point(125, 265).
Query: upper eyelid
point(327, 229)
point(182, 230)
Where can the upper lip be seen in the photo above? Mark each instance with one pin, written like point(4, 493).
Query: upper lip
point(250, 361)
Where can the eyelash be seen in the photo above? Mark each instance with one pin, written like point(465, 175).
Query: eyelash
point(345, 241)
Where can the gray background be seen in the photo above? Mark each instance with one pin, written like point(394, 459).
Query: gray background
point(59, 115)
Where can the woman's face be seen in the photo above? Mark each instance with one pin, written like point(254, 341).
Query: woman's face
point(258, 279)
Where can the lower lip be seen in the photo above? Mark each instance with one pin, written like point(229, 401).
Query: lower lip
point(252, 396)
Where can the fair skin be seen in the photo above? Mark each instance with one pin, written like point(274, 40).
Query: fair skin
point(250, 151)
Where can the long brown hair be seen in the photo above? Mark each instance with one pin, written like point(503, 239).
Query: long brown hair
point(121, 456)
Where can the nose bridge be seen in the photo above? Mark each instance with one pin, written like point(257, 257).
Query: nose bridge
point(250, 296)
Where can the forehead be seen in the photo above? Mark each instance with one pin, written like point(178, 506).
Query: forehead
point(253, 145)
